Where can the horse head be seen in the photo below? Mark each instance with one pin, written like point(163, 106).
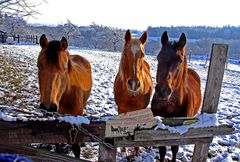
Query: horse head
point(53, 67)
point(171, 66)
point(132, 61)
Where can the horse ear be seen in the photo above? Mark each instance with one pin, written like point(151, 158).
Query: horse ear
point(143, 38)
point(182, 41)
point(63, 44)
point(164, 38)
point(128, 36)
point(43, 41)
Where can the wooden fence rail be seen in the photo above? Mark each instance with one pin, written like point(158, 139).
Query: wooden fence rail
point(26, 38)
point(20, 132)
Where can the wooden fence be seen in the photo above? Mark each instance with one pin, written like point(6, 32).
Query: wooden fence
point(19, 132)
point(3, 36)
point(26, 38)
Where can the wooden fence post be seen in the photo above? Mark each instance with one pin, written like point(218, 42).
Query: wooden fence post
point(32, 39)
point(106, 154)
point(212, 92)
point(189, 56)
point(3, 38)
point(214, 78)
point(36, 39)
point(200, 152)
point(18, 38)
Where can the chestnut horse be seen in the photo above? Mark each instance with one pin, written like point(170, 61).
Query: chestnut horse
point(64, 80)
point(133, 84)
point(177, 93)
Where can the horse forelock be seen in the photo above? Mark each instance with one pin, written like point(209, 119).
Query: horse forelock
point(52, 51)
point(172, 44)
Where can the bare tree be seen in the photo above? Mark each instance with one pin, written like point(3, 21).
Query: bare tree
point(20, 8)
point(69, 29)
point(14, 25)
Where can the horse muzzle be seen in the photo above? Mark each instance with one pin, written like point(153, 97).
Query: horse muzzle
point(49, 107)
point(133, 85)
point(163, 93)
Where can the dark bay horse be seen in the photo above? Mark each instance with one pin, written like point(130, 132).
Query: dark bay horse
point(177, 93)
point(65, 80)
point(133, 84)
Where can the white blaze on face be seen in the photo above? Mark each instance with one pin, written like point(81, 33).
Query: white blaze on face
point(135, 49)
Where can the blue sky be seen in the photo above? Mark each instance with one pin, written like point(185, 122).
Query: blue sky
point(139, 14)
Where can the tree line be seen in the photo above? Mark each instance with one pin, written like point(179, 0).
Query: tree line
point(198, 32)
point(200, 38)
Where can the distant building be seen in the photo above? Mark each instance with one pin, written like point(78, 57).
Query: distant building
point(3, 36)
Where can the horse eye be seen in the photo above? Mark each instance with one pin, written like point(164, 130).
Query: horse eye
point(65, 66)
point(179, 59)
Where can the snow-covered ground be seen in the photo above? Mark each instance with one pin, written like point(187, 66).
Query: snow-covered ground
point(19, 88)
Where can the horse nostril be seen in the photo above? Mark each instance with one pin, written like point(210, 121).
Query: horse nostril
point(129, 82)
point(53, 107)
point(169, 91)
point(133, 84)
point(166, 91)
point(42, 106)
point(163, 92)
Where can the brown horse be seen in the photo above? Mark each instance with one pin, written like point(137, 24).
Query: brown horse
point(177, 93)
point(133, 84)
point(64, 80)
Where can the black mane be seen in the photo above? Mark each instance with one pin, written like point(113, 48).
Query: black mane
point(52, 51)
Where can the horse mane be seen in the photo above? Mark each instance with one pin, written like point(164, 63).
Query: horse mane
point(52, 51)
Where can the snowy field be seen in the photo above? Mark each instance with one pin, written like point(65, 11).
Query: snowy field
point(19, 88)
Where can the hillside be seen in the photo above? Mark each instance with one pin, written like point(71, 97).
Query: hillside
point(199, 38)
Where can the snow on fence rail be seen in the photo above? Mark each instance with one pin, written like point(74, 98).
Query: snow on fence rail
point(38, 126)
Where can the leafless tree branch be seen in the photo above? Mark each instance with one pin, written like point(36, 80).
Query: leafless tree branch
point(20, 8)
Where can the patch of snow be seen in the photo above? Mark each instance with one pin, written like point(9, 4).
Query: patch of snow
point(1, 94)
point(7, 117)
point(204, 120)
point(138, 158)
point(77, 120)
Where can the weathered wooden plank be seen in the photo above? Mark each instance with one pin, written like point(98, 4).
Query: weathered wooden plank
point(124, 124)
point(45, 132)
point(215, 77)
point(129, 142)
point(37, 155)
point(200, 152)
point(177, 121)
point(150, 135)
